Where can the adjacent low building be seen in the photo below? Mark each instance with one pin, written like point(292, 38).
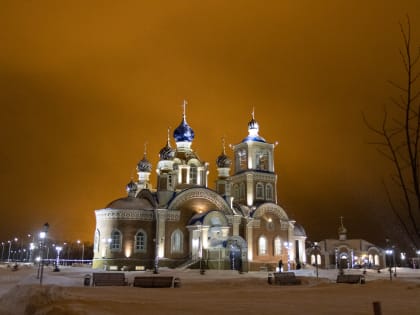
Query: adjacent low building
point(344, 253)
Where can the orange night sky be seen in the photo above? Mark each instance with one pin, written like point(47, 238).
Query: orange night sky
point(84, 84)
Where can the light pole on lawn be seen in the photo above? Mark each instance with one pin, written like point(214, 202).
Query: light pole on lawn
point(43, 236)
point(418, 258)
point(58, 249)
point(315, 247)
point(83, 249)
point(2, 250)
point(389, 252)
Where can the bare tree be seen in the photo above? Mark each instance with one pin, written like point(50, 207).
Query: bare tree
point(399, 135)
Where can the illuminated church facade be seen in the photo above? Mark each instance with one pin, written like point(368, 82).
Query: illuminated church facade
point(183, 223)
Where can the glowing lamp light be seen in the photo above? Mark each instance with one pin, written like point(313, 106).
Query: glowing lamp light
point(127, 251)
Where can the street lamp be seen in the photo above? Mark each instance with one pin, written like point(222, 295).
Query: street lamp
point(58, 249)
point(2, 250)
point(10, 245)
point(31, 250)
point(389, 252)
point(315, 247)
point(83, 249)
point(42, 236)
point(393, 259)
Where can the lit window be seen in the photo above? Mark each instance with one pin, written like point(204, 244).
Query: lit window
point(115, 241)
point(242, 160)
point(262, 161)
point(140, 242)
point(176, 242)
point(193, 175)
point(259, 191)
point(262, 246)
point(269, 192)
point(377, 260)
point(277, 246)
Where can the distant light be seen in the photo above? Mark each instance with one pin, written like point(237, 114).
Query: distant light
point(42, 234)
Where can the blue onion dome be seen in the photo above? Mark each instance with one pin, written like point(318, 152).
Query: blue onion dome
point(223, 161)
point(253, 124)
point(253, 129)
point(184, 132)
point(166, 153)
point(131, 187)
point(144, 165)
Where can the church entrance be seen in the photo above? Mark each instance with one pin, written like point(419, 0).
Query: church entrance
point(344, 261)
point(235, 257)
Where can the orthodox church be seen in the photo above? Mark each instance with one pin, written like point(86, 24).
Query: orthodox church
point(344, 253)
point(183, 223)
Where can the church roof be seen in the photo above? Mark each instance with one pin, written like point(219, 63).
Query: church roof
point(130, 203)
point(299, 230)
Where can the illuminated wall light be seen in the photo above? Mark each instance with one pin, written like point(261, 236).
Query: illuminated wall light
point(127, 251)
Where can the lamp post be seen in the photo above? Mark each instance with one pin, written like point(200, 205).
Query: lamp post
point(83, 249)
point(393, 260)
point(389, 252)
point(2, 250)
point(10, 246)
point(58, 249)
point(315, 248)
point(42, 236)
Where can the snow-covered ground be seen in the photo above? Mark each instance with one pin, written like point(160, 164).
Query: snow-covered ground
point(215, 292)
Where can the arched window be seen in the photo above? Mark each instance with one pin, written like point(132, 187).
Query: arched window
point(376, 260)
point(269, 192)
point(259, 191)
point(193, 175)
point(96, 240)
point(140, 242)
point(116, 239)
point(243, 160)
point(177, 239)
point(277, 246)
point(262, 246)
point(262, 161)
